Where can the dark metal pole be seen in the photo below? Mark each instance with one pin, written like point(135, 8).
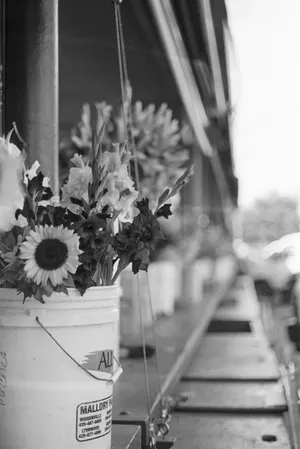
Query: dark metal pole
point(2, 32)
point(31, 79)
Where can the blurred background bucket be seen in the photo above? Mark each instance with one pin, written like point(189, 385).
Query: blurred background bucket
point(163, 286)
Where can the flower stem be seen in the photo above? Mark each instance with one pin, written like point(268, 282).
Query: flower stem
point(120, 268)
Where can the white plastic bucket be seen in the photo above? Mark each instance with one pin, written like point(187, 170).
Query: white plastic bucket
point(57, 375)
point(225, 267)
point(163, 286)
point(135, 289)
point(193, 283)
point(206, 267)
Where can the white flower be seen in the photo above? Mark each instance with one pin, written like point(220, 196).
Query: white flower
point(11, 195)
point(118, 185)
point(125, 205)
point(121, 204)
point(110, 198)
point(7, 217)
point(110, 162)
point(31, 172)
point(77, 185)
point(53, 201)
point(51, 253)
point(9, 148)
point(21, 221)
point(119, 181)
point(78, 161)
point(46, 182)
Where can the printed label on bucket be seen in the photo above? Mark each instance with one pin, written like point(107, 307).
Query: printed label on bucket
point(94, 419)
point(101, 360)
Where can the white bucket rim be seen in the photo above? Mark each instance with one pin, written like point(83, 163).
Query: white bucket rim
point(98, 305)
point(92, 294)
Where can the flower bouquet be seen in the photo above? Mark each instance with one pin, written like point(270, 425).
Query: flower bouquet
point(160, 158)
point(69, 241)
point(158, 139)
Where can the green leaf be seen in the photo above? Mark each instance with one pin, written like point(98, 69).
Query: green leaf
point(70, 281)
point(182, 180)
point(164, 211)
point(77, 201)
point(163, 197)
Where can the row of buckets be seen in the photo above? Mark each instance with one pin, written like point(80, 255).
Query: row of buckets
point(59, 360)
point(168, 286)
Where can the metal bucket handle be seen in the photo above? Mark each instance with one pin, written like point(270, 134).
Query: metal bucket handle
point(114, 377)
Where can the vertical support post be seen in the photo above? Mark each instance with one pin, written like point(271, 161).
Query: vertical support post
point(31, 79)
point(2, 31)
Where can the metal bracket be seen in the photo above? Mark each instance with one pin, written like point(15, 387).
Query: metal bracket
point(165, 443)
point(293, 330)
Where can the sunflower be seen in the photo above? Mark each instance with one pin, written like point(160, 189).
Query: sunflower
point(51, 253)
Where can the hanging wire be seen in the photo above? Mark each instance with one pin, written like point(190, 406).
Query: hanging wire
point(128, 121)
point(121, 64)
point(122, 45)
point(155, 343)
point(152, 439)
point(126, 89)
point(133, 146)
point(165, 416)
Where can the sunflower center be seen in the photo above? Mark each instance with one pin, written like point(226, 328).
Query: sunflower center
point(51, 254)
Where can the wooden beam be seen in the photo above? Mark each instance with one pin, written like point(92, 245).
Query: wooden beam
point(213, 52)
point(31, 79)
point(182, 70)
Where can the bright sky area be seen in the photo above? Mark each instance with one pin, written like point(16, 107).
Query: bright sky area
point(266, 93)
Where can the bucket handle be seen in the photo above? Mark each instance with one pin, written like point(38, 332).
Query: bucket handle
point(114, 377)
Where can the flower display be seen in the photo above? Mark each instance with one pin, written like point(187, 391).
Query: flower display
point(161, 154)
point(87, 235)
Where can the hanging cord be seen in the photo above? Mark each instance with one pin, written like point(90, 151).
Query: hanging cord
point(154, 340)
point(152, 439)
point(121, 63)
point(122, 45)
point(165, 416)
point(137, 179)
point(128, 122)
point(125, 87)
